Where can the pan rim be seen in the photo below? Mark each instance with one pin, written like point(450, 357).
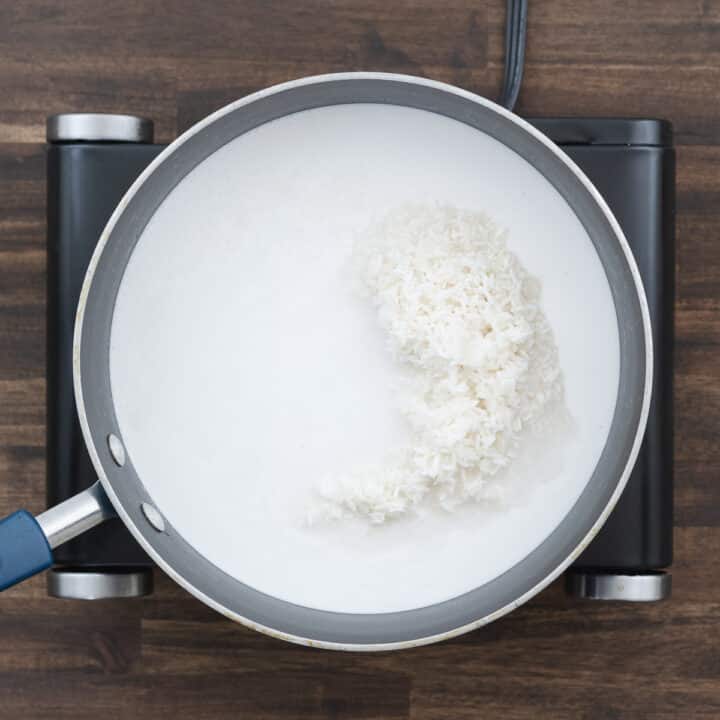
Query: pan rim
point(108, 485)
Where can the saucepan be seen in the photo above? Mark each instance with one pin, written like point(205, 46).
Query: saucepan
point(125, 487)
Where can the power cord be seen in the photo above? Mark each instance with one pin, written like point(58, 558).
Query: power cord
point(515, 32)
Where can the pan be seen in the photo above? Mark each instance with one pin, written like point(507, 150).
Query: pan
point(154, 456)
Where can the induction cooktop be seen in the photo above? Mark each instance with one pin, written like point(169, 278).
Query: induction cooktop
point(93, 159)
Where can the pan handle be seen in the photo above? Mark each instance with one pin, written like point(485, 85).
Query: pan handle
point(26, 542)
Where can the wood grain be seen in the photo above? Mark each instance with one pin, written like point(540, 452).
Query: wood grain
point(169, 656)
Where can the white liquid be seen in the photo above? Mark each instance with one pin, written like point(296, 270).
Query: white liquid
point(244, 368)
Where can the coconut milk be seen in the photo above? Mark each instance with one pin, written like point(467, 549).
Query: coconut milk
point(244, 367)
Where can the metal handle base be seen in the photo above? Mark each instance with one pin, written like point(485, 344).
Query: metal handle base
point(75, 515)
point(650, 587)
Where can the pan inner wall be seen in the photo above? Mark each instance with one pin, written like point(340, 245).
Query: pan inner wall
point(228, 299)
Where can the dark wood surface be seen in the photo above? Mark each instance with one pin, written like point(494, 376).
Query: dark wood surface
point(170, 657)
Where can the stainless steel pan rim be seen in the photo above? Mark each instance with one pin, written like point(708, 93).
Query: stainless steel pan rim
point(159, 545)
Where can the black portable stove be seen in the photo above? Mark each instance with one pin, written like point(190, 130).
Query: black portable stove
point(93, 159)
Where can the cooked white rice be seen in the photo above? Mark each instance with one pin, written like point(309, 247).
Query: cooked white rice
point(463, 318)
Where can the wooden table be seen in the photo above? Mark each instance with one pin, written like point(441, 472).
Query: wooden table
point(168, 656)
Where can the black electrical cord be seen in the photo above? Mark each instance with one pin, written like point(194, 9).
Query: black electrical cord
point(515, 31)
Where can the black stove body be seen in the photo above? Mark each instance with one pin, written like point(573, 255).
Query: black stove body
point(92, 162)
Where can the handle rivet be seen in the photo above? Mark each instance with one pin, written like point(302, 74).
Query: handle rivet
point(116, 449)
point(153, 516)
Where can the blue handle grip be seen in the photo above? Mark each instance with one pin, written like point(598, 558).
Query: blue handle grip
point(24, 549)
